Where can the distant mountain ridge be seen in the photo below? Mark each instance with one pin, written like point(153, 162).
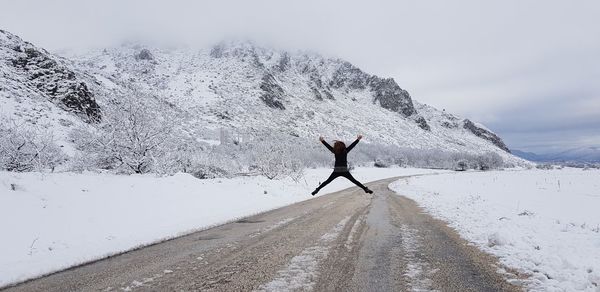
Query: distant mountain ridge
point(580, 154)
point(235, 85)
point(526, 155)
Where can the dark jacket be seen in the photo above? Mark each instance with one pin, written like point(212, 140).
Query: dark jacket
point(341, 159)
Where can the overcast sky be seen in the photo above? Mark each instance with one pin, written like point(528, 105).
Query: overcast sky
point(529, 70)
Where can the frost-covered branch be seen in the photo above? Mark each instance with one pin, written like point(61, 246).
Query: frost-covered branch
point(27, 148)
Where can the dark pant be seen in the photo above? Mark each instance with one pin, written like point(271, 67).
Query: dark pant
point(345, 174)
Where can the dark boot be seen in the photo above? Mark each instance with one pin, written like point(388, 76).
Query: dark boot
point(368, 191)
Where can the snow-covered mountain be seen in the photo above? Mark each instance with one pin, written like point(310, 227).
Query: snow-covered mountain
point(40, 88)
point(234, 85)
point(32, 73)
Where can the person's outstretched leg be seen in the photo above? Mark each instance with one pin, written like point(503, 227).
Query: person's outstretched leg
point(333, 176)
point(353, 180)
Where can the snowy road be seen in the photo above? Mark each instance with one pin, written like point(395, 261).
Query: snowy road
point(345, 241)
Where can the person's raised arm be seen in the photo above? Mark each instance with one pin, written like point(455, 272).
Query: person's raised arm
point(354, 143)
point(326, 144)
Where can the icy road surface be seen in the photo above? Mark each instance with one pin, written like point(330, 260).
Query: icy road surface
point(346, 241)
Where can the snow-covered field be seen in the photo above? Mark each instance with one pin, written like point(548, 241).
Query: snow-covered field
point(545, 224)
point(53, 221)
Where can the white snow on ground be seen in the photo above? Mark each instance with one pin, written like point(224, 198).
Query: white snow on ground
point(302, 272)
point(53, 221)
point(545, 224)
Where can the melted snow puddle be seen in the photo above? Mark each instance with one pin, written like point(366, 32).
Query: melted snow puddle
point(417, 271)
point(302, 272)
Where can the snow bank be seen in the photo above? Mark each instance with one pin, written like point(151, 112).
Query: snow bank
point(543, 223)
point(52, 221)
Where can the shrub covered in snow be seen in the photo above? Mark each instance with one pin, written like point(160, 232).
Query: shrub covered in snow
point(462, 165)
point(381, 163)
point(276, 160)
point(386, 155)
point(545, 166)
point(489, 160)
point(27, 148)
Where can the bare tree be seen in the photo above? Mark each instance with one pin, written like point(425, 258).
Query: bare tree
point(27, 148)
point(130, 138)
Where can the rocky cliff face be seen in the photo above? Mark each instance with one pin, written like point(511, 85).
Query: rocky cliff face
point(485, 134)
point(344, 78)
point(28, 68)
point(384, 91)
point(272, 92)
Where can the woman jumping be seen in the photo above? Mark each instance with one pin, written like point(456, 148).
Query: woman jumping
point(341, 164)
